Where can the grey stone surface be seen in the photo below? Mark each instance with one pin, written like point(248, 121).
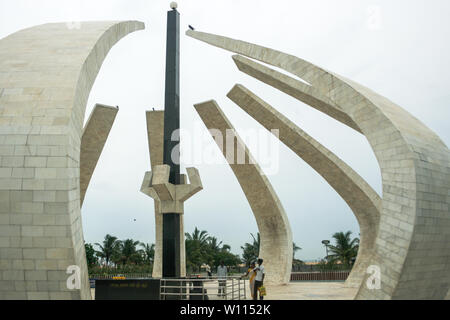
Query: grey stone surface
point(168, 198)
point(155, 135)
point(47, 74)
point(412, 244)
point(273, 224)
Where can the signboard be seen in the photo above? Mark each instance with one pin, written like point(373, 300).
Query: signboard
point(130, 289)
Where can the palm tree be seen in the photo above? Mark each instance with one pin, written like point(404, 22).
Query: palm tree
point(295, 248)
point(197, 249)
point(201, 248)
point(129, 252)
point(200, 236)
point(109, 249)
point(256, 241)
point(149, 252)
point(345, 248)
point(220, 252)
point(251, 250)
point(90, 254)
point(214, 244)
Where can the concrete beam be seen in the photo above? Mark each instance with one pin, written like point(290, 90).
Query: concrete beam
point(354, 190)
point(273, 224)
point(93, 140)
point(411, 249)
point(297, 89)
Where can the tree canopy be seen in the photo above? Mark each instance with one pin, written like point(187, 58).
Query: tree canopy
point(345, 248)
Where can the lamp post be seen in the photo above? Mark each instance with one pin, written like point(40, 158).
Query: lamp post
point(326, 243)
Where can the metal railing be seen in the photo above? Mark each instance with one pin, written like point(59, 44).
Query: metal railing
point(320, 268)
point(126, 275)
point(320, 276)
point(211, 288)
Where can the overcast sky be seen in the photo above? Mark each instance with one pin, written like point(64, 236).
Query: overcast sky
point(399, 49)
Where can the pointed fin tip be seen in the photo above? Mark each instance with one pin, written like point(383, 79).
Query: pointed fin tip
point(200, 104)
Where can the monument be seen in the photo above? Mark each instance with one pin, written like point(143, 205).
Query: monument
point(404, 233)
point(164, 183)
point(47, 159)
point(43, 173)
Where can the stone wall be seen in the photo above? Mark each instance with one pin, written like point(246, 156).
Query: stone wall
point(46, 74)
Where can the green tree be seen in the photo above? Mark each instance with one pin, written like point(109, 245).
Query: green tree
point(201, 248)
point(295, 248)
point(345, 248)
point(109, 249)
point(224, 254)
point(149, 252)
point(129, 254)
point(214, 244)
point(197, 251)
point(90, 254)
point(251, 250)
point(219, 252)
point(201, 236)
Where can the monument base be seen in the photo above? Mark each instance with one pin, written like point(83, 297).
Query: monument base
point(129, 289)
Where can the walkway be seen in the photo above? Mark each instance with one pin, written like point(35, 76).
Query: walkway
point(316, 290)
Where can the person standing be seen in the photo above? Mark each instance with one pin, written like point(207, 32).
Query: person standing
point(251, 273)
point(259, 279)
point(208, 270)
point(222, 274)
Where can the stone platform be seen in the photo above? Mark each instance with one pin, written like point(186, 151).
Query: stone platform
point(317, 290)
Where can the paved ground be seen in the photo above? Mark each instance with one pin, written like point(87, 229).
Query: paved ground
point(294, 291)
point(311, 291)
point(315, 290)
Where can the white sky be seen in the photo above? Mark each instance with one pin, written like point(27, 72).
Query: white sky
point(398, 48)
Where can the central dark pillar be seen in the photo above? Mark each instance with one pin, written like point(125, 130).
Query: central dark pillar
point(171, 221)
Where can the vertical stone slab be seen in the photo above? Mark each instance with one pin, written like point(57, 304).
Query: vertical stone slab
point(46, 74)
point(155, 135)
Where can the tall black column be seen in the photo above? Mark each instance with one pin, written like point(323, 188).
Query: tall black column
point(171, 221)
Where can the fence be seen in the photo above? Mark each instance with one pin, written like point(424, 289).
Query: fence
point(231, 288)
point(307, 274)
point(320, 276)
point(126, 275)
point(93, 277)
point(319, 268)
point(211, 288)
